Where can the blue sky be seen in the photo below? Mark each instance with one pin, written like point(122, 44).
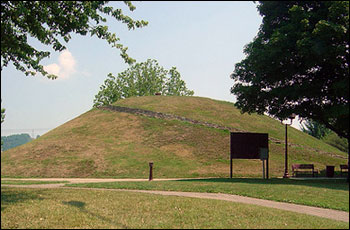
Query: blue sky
point(202, 39)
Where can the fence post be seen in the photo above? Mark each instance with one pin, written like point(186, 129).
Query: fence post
point(150, 171)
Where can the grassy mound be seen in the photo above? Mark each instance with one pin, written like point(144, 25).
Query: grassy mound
point(101, 143)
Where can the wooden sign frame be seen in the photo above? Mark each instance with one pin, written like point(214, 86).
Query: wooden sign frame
point(250, 146)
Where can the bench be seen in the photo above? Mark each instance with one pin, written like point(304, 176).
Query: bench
point(302, 168)
point(344, 169)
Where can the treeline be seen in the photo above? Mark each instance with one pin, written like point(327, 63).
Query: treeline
point(8, 142)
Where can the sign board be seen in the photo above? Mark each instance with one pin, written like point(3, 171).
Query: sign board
point(249, 145)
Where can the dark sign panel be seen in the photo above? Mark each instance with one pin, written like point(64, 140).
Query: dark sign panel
point(249, 145)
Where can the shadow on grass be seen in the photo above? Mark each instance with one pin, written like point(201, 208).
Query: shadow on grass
point(337, 174)
point(82, 207)
point(77, 204)
point(10, 197)
point(337, 184)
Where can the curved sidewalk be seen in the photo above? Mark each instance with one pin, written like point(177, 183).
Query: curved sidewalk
point(320, 212)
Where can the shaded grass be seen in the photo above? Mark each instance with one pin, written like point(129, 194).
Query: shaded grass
point(333, 194)
point(60, 208)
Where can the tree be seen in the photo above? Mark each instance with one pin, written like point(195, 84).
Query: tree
point(298, 63)
point(315, 129)
point(2, 115)
point(141, 79)
point(14, 140)
point(51, 21)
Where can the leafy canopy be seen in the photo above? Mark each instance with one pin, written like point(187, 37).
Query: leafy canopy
point(298, 63)
point(50, 22)
point(141, 79)
point(2, 114)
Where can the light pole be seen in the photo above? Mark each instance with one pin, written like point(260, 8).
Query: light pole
point(286, 175)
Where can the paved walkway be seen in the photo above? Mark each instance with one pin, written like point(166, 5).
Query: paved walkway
point(92, 180)
point(321, 212)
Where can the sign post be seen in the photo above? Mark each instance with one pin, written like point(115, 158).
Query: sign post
point(231, 165)
point(263, 165)
point(264, 156)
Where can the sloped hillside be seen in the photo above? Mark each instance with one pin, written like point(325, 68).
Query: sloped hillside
point(104, 143)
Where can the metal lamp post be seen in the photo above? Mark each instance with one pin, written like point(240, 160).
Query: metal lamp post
point(286, 175)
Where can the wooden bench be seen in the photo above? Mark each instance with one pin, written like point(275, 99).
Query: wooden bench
point(344, 169)
point(304, 168)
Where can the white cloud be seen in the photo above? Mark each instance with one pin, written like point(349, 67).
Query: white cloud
point(52, 69)
point(65, 67)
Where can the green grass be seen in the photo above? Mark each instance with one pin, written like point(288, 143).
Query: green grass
point(66, 208)
point(29, 182)
point(106, 144)
point(333, 194)
point(223, 113)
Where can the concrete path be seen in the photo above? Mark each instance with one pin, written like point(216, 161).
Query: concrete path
point(94, 180)
point(321, 212)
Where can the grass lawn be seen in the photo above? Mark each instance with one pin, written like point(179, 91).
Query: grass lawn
point(22, 182)
point(333, 194)
point(65, 208)
point(107, 144)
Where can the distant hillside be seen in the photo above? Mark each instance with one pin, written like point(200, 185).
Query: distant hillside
point(15, 140)
point(105, 143)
